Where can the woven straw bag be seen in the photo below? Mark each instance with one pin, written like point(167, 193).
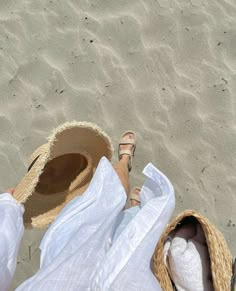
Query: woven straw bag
point(220, 256)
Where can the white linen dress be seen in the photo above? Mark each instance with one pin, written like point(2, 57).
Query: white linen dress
point(93, 244)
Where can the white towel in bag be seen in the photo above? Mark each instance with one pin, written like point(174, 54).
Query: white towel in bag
point(187, 259)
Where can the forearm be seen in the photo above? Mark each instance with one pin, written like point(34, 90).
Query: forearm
point(11, 231)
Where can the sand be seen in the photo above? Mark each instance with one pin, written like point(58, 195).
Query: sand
point(166, 69)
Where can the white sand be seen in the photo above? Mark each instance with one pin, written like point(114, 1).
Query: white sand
point(166, 69)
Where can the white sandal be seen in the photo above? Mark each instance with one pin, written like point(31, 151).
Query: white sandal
point(127, 141)
point(134, 196)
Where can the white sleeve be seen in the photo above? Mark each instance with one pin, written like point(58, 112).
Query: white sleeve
point(11, 231)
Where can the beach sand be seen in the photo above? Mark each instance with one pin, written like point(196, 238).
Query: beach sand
point(166, 69)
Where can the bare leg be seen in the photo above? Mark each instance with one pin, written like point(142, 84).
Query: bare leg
point(122, 166)
point(122, 171)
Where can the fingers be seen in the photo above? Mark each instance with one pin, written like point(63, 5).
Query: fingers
point(10, 190)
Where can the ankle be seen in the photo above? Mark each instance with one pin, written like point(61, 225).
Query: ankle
point(125, 159)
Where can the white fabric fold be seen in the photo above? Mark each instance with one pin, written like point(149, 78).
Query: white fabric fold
point(127, 265)
point(11, 232)
point(80, 235)
point(78, 251)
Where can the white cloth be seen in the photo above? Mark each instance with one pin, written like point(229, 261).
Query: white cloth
point(187, 259)
point(123, 220)
point(77, 251)
point(11, 231)
point(127, 264)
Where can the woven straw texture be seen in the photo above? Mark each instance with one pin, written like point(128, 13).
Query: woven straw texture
point(60, 170)
point(220, 256)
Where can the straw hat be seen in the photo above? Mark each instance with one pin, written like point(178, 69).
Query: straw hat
point(60, 170)
point(220, 256)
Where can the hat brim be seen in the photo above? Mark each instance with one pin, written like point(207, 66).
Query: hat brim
point(83, 138)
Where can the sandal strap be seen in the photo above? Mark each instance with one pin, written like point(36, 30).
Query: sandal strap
point(125, 152)
point(125, 141)
point(135, 197)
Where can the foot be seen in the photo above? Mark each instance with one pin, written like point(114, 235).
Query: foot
point(127, 147)
point(135, 197)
